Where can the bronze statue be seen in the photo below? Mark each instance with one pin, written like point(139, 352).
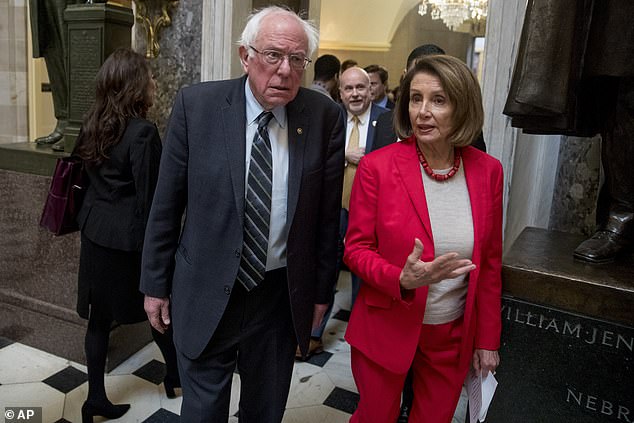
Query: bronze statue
point(49, 41)
point(574, 75)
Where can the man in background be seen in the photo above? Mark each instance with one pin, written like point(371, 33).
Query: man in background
point(378, 86)
point(348, 63)
point(361, 115)
point(326, 79)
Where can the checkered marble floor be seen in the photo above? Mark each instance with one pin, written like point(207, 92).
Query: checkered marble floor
point(322, 388)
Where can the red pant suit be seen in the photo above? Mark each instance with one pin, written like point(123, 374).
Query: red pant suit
point(388, 210)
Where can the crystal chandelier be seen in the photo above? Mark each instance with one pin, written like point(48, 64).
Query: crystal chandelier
point(454, 12)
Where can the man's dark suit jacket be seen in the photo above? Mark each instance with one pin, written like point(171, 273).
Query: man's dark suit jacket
point(384, 133)
point(118, 199)
point(389, 105)
point(203, 173)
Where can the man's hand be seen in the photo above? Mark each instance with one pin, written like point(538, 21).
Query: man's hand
point(417, 273)
point(353, 156)
point(158, 312)
point(318, 314)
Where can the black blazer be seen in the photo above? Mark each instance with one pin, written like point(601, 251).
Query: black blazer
point(384, 133)
point(117, 202)
point(203, 171)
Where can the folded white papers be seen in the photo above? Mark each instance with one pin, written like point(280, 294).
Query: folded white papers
point(480, 392)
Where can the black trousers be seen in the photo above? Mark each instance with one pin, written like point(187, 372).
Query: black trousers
point(256, 335)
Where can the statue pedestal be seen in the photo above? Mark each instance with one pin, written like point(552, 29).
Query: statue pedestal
point(38, 272)
point(94, 31)
point(567, 335)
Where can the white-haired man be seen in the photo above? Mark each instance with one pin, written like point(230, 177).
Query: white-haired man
point(256, 162)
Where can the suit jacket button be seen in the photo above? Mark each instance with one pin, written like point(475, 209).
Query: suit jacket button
point(227, 290)
point(237, 252)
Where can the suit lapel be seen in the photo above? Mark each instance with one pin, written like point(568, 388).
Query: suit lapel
point(297, 128)
point(375, 111)
point(476, 185)
point(234, 125)
point(409, 170)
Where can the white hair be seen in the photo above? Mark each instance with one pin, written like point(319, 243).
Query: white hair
point(254, 21)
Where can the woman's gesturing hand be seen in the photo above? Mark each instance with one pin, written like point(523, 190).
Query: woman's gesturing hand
point(417, 273)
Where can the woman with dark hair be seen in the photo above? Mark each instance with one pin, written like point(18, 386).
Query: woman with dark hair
point(425, 235)
point(121, 152)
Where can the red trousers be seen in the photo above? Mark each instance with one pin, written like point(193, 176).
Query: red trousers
point(437, 380)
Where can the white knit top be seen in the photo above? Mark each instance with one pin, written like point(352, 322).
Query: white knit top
point(449, 210)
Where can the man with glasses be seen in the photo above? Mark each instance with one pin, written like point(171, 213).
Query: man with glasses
point(256, 163)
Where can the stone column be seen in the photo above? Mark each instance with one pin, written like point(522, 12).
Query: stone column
point(216, 45)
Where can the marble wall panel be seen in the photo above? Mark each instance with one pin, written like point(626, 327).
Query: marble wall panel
point(178, 63)
point(576, 186)
point(38, 278)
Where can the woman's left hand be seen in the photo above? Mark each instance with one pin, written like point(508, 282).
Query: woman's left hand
point(485, 361)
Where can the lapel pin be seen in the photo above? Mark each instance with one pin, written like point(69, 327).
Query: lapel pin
point(374, 123)
point(300, 131)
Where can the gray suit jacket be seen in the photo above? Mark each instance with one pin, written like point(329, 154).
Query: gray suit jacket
point(203, 173)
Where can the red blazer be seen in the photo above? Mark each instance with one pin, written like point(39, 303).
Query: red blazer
point(388, 210)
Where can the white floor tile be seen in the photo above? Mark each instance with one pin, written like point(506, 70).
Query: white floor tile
point(342, 299)
point(333, 337)
point(235, 395)
point(35, 394)
point(74, 400)
point(461, 409)
point(21, 363)
point(143, 396)
point(315, 414)
point(170, 404)
point(339, 371)
point(309, 386)
point(139, 359)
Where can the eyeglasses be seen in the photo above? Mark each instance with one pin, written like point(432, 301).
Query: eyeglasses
point(272, 57)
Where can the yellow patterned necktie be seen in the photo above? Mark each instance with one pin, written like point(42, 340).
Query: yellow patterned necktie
point(350, 169)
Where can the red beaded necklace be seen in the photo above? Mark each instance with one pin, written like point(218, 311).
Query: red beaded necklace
point(430, 171)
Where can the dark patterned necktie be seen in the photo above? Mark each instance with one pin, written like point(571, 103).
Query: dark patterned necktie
point(257, 208)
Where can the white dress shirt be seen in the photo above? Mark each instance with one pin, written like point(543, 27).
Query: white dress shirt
point(364, 122)
point(278, 227)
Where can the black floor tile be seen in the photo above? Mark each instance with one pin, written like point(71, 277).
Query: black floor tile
point(343, 400)
point(163, 416)
point(343, 315)
point(319, 359)
point(154, 371)
point(5, 342)
point(66, 380)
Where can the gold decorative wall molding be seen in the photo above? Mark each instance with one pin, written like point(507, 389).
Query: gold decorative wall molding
point(154, 15)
